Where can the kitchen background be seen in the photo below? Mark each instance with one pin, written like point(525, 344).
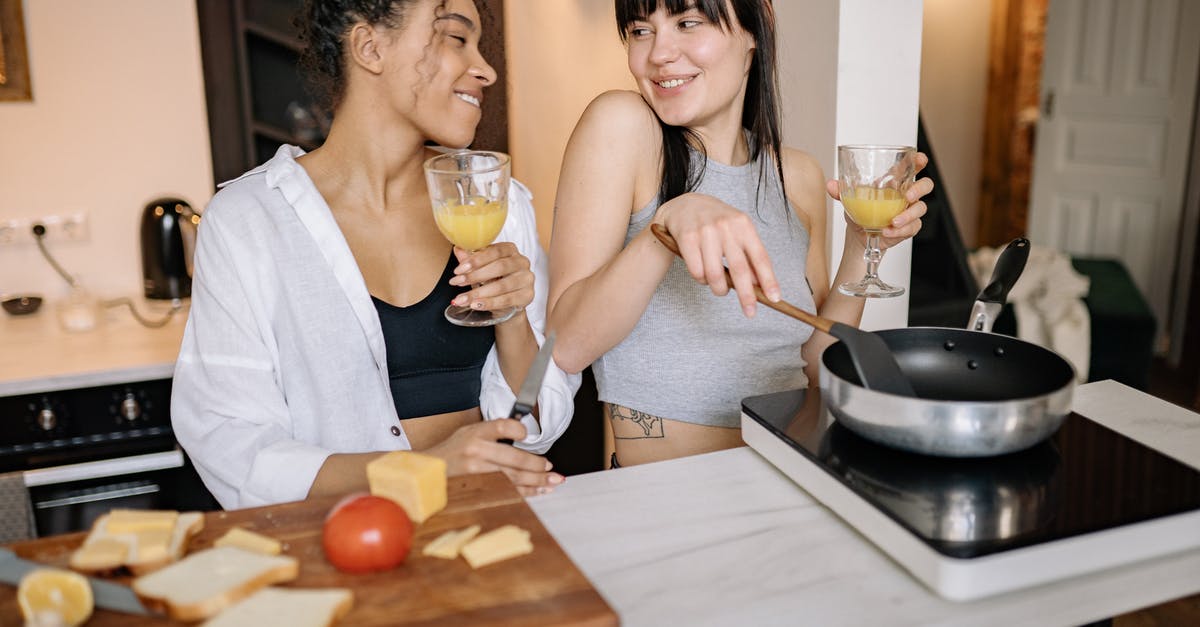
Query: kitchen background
point(118, 114)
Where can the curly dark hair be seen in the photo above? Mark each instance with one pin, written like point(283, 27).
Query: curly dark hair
point(323, 25)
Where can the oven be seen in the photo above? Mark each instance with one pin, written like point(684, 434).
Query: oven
point(81, 452)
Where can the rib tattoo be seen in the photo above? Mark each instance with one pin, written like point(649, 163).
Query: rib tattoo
point(631, 424)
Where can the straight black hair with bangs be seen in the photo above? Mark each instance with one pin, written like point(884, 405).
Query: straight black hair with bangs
point(760, 110)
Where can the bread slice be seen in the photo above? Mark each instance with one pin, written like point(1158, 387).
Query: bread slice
point(142, 541)
point(206, 582)
point(294, 607)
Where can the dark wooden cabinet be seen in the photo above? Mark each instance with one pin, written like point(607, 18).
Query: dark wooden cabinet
point(257, 98)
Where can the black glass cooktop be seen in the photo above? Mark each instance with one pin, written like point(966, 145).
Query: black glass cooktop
point(1085, 478)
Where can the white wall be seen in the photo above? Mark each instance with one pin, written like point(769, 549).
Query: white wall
point(561, 54)
point(850, 71)
point(879, 70)
point(954, 73)
point(118, 118)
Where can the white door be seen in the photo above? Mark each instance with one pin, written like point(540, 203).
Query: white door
point(1118, 99)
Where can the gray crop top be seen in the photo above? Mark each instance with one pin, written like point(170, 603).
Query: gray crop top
point(694, 356)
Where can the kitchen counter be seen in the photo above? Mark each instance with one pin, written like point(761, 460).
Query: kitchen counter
point(725, 538)
point(39, 356)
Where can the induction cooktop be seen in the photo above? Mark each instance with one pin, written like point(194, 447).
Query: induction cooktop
point(1087, 499)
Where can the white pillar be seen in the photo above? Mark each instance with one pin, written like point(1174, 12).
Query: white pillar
point(850, 73)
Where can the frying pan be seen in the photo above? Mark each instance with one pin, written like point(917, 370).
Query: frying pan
point(977, 393)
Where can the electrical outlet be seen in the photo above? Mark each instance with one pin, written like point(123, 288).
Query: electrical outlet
point(65, 227)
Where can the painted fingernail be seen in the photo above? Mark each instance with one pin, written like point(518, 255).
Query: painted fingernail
point(774, 294)
point(555, 479)
point(463, 268)
point(748, 310)
point(549, 465)
point(459, 301)
point(458, 280)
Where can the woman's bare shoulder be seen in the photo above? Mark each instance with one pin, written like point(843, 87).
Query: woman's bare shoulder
point(802, 169)
point(621, 111)
point(805, 183)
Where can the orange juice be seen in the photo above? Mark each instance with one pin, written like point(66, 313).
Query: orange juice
point(873, 209)
point(472, 224)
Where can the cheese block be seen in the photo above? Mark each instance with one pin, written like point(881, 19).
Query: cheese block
point(448, 545)
point(294, 607)
point(499, 544)
point(250, 541)
point(414, 481)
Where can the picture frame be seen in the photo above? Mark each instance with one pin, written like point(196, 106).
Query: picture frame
point(14, 59)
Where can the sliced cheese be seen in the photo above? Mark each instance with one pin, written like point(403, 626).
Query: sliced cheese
point(416, 482)
point(447, 545)
point(250, 541)
point(135, 520)
point(100, 554)
point(500, 544)
point(153, 545)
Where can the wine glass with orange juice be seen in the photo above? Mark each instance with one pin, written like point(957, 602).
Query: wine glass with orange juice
point(469, 193)
point(872, 181)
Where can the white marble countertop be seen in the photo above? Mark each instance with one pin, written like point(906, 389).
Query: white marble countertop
point(37, 355)
point(725, 538)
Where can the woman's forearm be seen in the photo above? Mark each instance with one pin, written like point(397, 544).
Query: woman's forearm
point(342, 473)
point(516, 347)
point(595, 313)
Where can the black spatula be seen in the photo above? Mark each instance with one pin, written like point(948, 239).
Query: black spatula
point(873, 360)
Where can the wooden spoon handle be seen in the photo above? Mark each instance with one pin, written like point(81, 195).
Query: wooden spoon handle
point(782, 306)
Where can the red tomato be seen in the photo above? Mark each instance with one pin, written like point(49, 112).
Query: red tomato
point(365, 533)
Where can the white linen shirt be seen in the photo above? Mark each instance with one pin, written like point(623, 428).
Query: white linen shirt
point(283, 358)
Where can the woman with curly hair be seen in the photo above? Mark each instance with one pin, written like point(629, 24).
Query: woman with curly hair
point(316, 339)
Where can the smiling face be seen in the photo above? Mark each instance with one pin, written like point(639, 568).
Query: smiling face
point(434, 71)
point(689, 68)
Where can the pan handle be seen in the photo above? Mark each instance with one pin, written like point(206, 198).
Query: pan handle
point(1009, 266)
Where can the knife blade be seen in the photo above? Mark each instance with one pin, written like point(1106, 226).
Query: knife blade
point(532, 384)
point(107, 594)
point(527, 397)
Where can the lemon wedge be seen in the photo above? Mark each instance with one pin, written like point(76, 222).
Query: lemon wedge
point(54, 592)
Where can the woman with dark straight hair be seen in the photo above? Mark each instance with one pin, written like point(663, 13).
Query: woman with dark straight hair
point(697, 149)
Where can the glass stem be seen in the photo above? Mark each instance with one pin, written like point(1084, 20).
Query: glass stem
point(873, 254)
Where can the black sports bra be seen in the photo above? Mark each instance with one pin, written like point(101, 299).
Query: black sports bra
point(434, 366)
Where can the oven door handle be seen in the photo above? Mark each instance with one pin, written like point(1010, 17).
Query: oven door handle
point(104, 468)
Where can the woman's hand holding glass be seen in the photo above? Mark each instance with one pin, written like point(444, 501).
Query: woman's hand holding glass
point(501, 275)
point(879, 178)
point(469, 193)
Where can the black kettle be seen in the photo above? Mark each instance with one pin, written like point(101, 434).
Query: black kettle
point(168, 239)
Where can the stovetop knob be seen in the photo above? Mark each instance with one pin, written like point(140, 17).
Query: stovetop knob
point(46, 419)
point(130, 408)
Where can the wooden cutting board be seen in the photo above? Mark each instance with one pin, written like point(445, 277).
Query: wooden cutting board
point(542, 588)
